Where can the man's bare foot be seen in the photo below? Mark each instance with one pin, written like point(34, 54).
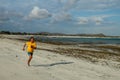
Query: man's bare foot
point(28, 64)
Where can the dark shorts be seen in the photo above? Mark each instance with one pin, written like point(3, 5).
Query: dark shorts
point(30, 54)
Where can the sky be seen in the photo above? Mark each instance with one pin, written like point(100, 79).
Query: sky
point(61, 16)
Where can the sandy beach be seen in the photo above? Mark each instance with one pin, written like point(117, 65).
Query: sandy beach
point(58, 62)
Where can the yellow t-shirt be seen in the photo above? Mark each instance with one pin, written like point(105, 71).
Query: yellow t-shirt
point(30, 45)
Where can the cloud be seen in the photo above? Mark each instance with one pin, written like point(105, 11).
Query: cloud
point(97, 20)
point(94, 5)
point(82, 20)
point(38, 13)
point(63, 16)
point(4, 19)
point(3, 15)
point(90, 5)
point(69, 4)
point(9, 17)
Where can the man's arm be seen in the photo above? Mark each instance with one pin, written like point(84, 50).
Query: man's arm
point(24, 47)
point(34, 46)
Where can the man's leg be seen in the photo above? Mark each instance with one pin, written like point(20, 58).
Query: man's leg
point(30, 58)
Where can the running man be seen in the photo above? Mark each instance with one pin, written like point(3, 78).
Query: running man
point(31, 45)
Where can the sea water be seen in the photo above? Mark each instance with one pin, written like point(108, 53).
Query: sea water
point(81, 40)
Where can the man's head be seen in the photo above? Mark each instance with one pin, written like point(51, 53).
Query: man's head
point(31, 39)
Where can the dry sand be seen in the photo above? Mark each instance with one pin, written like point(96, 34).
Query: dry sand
point(48, 65)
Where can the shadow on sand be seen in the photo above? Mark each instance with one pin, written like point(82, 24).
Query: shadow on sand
point(53, 64)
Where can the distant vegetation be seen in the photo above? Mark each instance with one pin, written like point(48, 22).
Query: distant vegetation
point(53, 34)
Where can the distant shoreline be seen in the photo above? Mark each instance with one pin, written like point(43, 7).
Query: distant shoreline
point(58, 35)
point(63, 36)
point(79, 37)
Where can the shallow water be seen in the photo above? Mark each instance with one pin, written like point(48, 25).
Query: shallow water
point(81, 40)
